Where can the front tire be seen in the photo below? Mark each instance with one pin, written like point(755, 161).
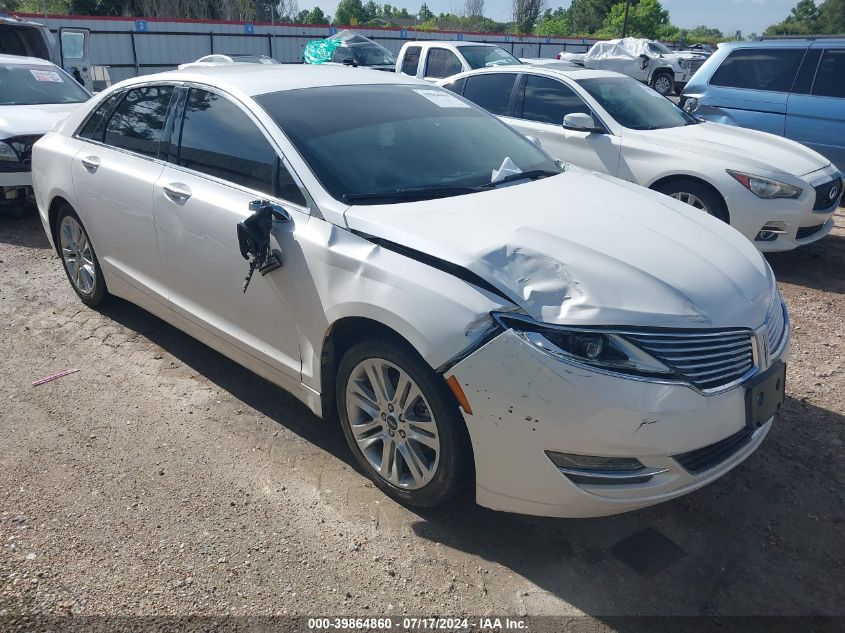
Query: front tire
point(663, 83)
point(696, 195)
point(402, 423)
point(79, 259)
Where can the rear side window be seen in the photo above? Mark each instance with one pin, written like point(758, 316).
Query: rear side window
point(771, 69)
point(830, 77)
point(95, 125)
point(456, 86)
point(341, 53)
point(548, 101)
point(411, 61)
point(138, 120)
point(442, 62)
point(220, 140)
point(491, 91)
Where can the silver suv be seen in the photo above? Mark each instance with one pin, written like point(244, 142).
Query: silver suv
point(786, 86)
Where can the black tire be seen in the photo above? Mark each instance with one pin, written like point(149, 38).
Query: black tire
point(453, 469)
point(663, 88)
point(99, 293)
point(713, 202)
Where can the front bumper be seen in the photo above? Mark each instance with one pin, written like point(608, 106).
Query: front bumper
point(15, 189)
point(796, 221)
point(525, 403)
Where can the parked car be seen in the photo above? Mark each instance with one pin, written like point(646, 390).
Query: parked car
point(34, 95)
point(458, 300)
point(789, 87)
point(31, 39)
point(433, 60)
point(231, 58)
point(776, 192)
point(645, 60)
point(349, 48)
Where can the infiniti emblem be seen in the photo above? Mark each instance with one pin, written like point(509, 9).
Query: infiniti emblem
point(834, 191)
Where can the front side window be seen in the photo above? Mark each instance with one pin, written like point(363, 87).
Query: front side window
point(220, 140)
point(138, 120)
point(372, 55)
point(771, 69)
point(36, 84)
point(441, 62)
point(548, 101)
point(830, 76)
point(491, 91)
point(486, 56)
point(635, 105)
point(341, 53)
point(411, 61)
point(94, 127)
point(367, 141)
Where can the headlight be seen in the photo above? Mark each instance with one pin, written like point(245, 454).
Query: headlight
point(684, 63)
point(765, 188)
point(597, 348)
point(7, 153)
point(690, 105)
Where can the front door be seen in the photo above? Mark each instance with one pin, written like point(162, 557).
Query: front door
point(74, 51)
point(220, 162)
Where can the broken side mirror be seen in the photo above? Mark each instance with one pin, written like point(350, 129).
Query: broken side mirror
point(254, 238)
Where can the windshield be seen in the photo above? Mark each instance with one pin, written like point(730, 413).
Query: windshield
point(37, 84)
point(485, 56)
point(378, 139)
point(372, 55)
point(658, 48)
point(635, 105)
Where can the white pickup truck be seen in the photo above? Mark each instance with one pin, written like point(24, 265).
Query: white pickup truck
point(434, 60)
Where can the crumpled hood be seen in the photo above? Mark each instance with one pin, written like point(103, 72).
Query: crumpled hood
point(20, 120)
point(744, 148)
point(584, 248)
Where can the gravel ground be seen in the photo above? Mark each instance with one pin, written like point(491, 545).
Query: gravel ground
point(163, 479)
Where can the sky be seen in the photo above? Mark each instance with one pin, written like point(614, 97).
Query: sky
point(748, 16)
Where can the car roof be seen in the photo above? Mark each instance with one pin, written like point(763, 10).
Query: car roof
point(24, 61)
point(455, 43)
point(542, 69)
point(257, 79)
point(785, 42)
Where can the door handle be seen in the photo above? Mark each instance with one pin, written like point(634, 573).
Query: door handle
point(91, 163)
point(177, 191)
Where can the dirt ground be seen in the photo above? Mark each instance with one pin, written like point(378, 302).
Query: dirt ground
point(163, 479)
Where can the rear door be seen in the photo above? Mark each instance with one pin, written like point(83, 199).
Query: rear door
point(816, 107)
point(220, 160)
point(73, 46)
point(751, 87)
point(113, 175)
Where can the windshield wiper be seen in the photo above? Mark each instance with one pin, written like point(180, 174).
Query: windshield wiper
point(531, 174)
point(411, 193)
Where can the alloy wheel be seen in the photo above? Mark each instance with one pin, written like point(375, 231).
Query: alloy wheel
point(663, 85)
point(77, 255)
point(392, 424)
point(690, 199)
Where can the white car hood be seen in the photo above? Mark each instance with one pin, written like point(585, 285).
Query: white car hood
point(19, 120)
point(584, 248)
point(739, 148)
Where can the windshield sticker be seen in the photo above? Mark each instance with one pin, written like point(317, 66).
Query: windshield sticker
point(46, 75)
point(441, 99)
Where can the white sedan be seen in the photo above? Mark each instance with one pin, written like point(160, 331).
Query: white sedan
point(470, 311)
point(778, 193)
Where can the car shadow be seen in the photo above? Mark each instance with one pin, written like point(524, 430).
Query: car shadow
point(736, 546)
point(22, 228)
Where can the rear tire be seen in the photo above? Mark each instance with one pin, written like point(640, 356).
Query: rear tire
point(406, 433)
point(79, 259)
point(697, 195)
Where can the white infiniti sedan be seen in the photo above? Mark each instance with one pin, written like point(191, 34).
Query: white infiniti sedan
point(468, 310)
point(778, 193)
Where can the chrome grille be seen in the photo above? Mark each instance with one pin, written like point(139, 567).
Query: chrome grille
point(694, 65)
point(828, 194)
point(708, 359)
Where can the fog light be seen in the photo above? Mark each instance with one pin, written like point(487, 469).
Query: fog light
point(607, 471)
point(770, 231)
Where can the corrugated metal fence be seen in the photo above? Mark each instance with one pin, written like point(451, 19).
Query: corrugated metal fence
point(139, 46)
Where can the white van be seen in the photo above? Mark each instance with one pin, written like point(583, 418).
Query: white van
point(30, 39)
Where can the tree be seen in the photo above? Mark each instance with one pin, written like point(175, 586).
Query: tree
point(647, 18)
point(316, 16)
point(832, 17)
point(424, 13)
point(348, 9)
point(554, 23)
point(525, 14)
point(586, 17)
point(703, 33)
point(802, 20)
